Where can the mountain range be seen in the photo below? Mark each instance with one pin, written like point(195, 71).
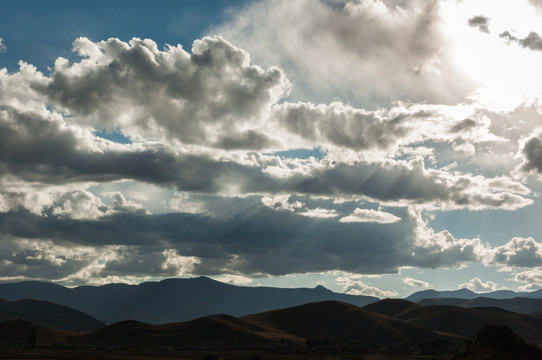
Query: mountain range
point(469, 294)
point(173, 300)
point(176, 300)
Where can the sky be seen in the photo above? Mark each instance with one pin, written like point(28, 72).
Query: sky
point(375, 147)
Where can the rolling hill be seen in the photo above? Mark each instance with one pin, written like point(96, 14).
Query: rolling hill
point(386, 324)
point(459, 321)
point(48, 315)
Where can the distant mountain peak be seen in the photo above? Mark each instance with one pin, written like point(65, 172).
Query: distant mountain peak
point(322, 288)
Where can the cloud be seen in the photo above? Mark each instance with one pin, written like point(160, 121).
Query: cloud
point(368, 52)
point(353, 286)
point(478, 285)
point(531, 154)
point(254, 241)
point(370, 215)
point(2, 46)
point(338, 125)
point(532, 41)
point(416, 283)
point(532, 279)
point(519, 252)
point(41, 148)
point(481, 22)
point(187, 96)
point(182, 202)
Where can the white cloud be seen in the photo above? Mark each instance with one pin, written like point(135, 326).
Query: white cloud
point(353, 286)
point(477, 285)
point(416, 283)
point(370, 215)
point(182, 202)
point(234, 279)
point(282, 202)
point(365, 51)
point(176, 264)
point(212, 95)
point(440, 249)
point(519, 252)
point(319, 213)
point(531, 278)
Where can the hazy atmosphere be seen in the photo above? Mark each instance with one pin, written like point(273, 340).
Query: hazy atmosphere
point(375, 147)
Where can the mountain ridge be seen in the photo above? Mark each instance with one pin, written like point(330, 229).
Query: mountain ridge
point(173, 300)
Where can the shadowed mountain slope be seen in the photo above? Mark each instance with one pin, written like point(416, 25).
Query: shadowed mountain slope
point(392, 322)
point(498, 343)
point(340, 321)
point(229, 331)
point(48, 315)
point(21, 333)
point(464, 321)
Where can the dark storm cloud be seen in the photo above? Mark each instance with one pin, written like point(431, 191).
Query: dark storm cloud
point(533, 41)
point(532, 154)
point(480, 22)
point(261, 241)
point(464, 125)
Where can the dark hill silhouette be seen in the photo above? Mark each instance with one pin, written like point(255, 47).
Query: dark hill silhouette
point(498, 343)
point(391, 307)
point(173, 300)
point(21, 333)
point(520, 305)
point(340, 321)
point(390, 322)
point(48, 314)
point(467, 321)
point(217, 330)
point(331, 320)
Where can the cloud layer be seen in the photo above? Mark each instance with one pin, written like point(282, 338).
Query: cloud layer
point(338, 148)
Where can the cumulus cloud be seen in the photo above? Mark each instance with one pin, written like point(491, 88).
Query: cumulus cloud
point(532, 279)
point(365, 51)
point(416, 283)
point(481, 22)
point(41, 148)
point(477, 285)
point(519, 252)
point(531, 154)
point(199, 122)
point(354, 286)
point(168, 93)
point(433, 249)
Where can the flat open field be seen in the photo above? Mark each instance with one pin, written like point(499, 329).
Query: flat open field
point(47, 354)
